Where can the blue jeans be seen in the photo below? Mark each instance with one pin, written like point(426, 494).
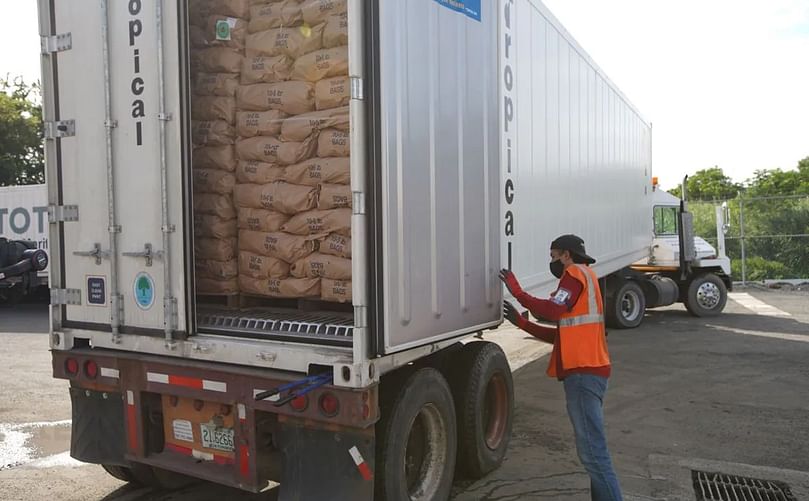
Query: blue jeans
point(585, 399)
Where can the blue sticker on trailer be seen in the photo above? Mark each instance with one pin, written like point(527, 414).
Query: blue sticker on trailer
point(469, 7)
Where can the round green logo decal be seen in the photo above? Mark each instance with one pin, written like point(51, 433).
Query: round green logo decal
point(144, 291)
point(222, 30)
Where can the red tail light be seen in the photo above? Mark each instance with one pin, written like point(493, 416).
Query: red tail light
point(71, 366)
point(299, 404)
point(329, 405)
point(91, 369)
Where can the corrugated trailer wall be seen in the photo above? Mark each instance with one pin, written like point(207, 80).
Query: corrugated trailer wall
point(576, 153)
point(440, 150)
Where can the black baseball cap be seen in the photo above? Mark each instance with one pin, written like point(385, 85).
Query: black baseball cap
point(574, 245)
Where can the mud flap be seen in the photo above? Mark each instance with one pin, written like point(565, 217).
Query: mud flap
point(98, 435)
point(320, 463)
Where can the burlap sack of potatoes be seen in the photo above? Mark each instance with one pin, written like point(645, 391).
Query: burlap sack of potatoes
point(335, 32)
point(216, 84)
point(269, 149)
point(293, 41)
point(336, 291)
point(318, 11)
point(268, 221)
point(332, 93)
point(259, 123)
point(320, 64)
point(213, 108)
point(215, 157)
point(288, 248)
point(319, 222)
point(280, 196)
point(208, 225)
point(213, 204)
point(290, 288)
point(275, 15)
point(212, 133)
point(217, 249)
point(213, 181)
point(335, 245)
point(317, 265)
point(266, 69)
point(291, 97)
point(333, 143)
point(334, 196)
point(257, 266)
point(220, 270)
point(299, 127)
point(254, 172)
point(316, 171)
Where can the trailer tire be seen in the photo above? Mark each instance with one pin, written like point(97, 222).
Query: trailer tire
point(417, 435)
point(626, 306)
point(707, 296)
point(120, 472)
point(484, 402)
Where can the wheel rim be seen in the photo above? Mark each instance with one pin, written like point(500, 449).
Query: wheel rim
point(495, 411)
point(425, 454)
point(630, 305)
point(708, 295)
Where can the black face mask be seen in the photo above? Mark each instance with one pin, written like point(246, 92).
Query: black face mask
point(557, 268)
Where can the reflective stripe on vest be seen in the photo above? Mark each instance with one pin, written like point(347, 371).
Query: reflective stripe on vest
point(592, 316)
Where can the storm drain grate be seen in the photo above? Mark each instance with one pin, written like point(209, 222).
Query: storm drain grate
point(722, 487)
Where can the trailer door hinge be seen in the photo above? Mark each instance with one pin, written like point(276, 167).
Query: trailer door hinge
point(63, 213)
point(170, 314)
point(358, 202)
point(357, 88)
point(62, 128)
point(56, 43)
point(70, 297)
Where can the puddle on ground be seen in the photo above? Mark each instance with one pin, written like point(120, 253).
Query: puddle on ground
point(25, 443)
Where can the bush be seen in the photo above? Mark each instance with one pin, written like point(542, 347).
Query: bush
point(759, 269)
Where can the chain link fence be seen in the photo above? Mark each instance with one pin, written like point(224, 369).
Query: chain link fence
point(766, 238)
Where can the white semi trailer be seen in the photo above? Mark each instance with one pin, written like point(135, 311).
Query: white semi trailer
point(479, 131)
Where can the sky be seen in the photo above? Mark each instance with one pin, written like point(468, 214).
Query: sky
point(724, 82)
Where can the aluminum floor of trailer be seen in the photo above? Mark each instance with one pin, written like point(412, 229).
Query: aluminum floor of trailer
point(277, 323)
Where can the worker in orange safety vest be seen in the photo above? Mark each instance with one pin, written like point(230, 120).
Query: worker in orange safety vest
point(579, 358)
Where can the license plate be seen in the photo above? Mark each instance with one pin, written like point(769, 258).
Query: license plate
point(220, 439)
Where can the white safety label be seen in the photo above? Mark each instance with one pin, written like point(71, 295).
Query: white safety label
point(183, 430)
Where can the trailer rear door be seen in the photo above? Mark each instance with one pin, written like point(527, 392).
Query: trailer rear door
point(110, 140)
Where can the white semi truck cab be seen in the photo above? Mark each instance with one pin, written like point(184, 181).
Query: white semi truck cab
point(700, 277)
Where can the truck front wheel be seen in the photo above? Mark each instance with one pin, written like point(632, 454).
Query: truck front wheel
point(416, 440)
point(484, 401)
point(626, 305)
point(707, 296)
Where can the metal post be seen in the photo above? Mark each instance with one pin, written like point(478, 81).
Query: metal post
point(741, 237)
point(116, 301)
point(169, 302)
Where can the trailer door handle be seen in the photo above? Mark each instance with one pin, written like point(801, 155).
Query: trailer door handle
point(147, 253)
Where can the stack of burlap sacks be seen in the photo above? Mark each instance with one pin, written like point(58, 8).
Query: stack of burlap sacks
point(291, 155)
point(217, 34)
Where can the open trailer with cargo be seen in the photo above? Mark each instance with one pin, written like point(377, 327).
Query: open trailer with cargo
point(277, 220)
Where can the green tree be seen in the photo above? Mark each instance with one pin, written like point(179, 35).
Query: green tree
point(709, 184)
point(21, 153)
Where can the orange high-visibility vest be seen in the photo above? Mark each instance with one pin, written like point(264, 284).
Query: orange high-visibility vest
point(581, 340)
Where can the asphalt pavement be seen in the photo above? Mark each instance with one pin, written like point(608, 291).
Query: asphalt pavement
point(726, 394)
